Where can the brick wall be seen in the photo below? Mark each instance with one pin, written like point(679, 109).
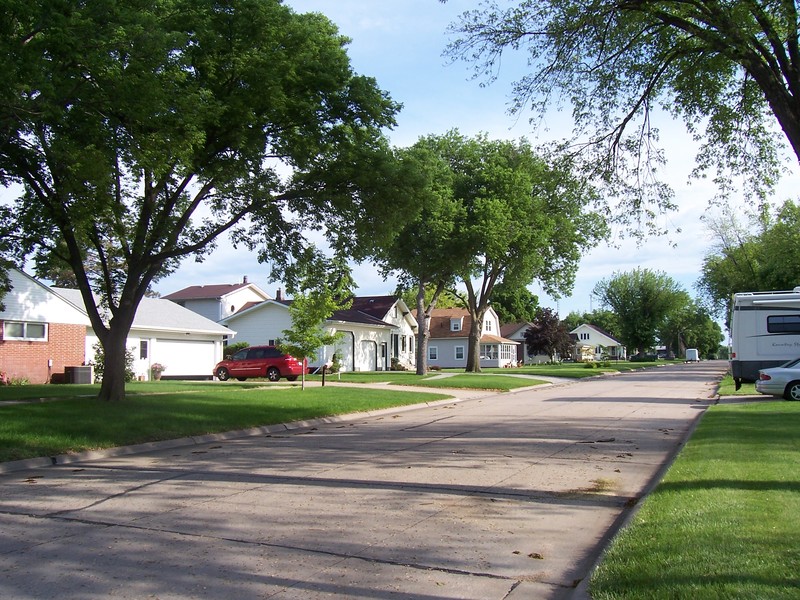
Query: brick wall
point(29, 360)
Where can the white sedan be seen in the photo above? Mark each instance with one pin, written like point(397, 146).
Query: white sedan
point(781, 381)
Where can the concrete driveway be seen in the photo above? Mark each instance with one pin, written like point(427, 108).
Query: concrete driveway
point(504, 496)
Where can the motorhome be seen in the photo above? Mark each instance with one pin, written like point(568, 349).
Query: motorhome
point(765, 332)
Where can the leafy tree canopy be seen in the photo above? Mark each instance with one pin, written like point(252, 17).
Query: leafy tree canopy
point(142, 131)
point(642, 299)
point(514, 305)
point(729, 69)
point(761, 255)
point(547, 335)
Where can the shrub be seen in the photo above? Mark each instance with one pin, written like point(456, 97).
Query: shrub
point(232, 349)
point(99, 357)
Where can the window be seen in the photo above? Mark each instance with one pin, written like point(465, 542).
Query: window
point(455, 324)
point(433, 353)
point(584, 336)
point(143, 349)
point(18, 330)
point(403, 343)
point(459, 352)
point(783, 324)
point(487, 326)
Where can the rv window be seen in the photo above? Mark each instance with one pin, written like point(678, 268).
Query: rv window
point(783, 324)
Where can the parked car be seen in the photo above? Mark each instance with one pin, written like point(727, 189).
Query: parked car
point(259, 361)
point(781, 381)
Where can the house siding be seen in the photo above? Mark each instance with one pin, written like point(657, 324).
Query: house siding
point(31, 359)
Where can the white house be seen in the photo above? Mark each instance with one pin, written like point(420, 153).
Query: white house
point(186, 343)
point(215, 302)
point(376, 333)
point(45, 332)
point(448, 342)
point(592, 343)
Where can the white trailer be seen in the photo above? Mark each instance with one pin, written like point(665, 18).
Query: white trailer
point(765, 332)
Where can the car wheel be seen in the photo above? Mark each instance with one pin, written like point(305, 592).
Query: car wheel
point(222, 374)
point(242, 378)
point(292, 378)
point(273, 374)
point(792, 391)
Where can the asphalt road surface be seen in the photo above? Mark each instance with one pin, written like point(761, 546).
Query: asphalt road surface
point(500, 496)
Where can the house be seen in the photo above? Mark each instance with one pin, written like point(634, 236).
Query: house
point(516, 332)
point(215, 302)
point(45, 333)
point(377, 332)
point(41, 333)
point(448, 342)
point(592, 343)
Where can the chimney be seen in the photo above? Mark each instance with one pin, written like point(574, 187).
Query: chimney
point(279, 295)
point(244, 279)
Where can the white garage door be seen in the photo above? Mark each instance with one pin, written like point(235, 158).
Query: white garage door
point(185, 358)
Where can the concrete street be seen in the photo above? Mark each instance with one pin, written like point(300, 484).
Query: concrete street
point(492, 496)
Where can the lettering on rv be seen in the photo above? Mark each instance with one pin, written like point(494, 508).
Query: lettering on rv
point(786, 345)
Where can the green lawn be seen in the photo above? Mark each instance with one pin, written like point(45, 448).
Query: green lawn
point(725, 521)
point(167, 410)
point(497, 379)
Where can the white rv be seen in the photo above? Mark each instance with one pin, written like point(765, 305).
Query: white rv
point(765, 332)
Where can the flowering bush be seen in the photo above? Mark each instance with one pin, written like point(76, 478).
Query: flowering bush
point(4, 379)
point(157, 368)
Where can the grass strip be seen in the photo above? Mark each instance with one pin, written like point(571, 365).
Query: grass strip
point(724, 522)
point(78, 424)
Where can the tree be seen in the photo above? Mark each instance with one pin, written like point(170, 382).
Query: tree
point(514, 305)
point(425, 254)
point(689, 325)
point(642, 299)
point(751, 259)
point(323, 288)
point(732, 68)
point(514, 218)
point(547, 335)
point(141, 132)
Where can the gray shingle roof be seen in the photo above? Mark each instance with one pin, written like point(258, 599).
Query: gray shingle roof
point(160, 314)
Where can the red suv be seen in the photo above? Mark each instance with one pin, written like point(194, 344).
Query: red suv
point(259, 361)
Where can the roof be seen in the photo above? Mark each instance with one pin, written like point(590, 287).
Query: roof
point(351, 315)
point(510, 329)
point(206, 292)
point(598, 330)
point(375, 306)
point(159, 314)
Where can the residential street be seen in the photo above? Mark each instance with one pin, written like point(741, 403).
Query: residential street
point(497, 496)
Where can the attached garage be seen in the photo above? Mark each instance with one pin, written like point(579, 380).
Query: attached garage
point(186, 359)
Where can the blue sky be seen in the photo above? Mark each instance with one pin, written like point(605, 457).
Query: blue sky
point(400, 43)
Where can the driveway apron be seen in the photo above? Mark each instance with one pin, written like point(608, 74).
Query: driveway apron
point(507, 495)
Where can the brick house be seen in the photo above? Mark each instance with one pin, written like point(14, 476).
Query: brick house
point(41, 333)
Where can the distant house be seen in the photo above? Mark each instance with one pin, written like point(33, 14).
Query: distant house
point(217, 301)
point(44, 331)
point(592, 343)
point(516, 332)
point(448, 342)
point(377, 332)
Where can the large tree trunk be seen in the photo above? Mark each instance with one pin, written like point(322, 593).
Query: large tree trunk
point(423, 333)
point(112, 388)
point(474, 345)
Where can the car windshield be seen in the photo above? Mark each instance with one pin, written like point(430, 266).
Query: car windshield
point(790, 364)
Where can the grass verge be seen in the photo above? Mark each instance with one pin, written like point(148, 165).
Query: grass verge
point(175, 410)
point(724, 522)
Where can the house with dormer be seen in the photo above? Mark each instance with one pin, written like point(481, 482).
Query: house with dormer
point(217, 301)
point(449, 340)
point(593, 343)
